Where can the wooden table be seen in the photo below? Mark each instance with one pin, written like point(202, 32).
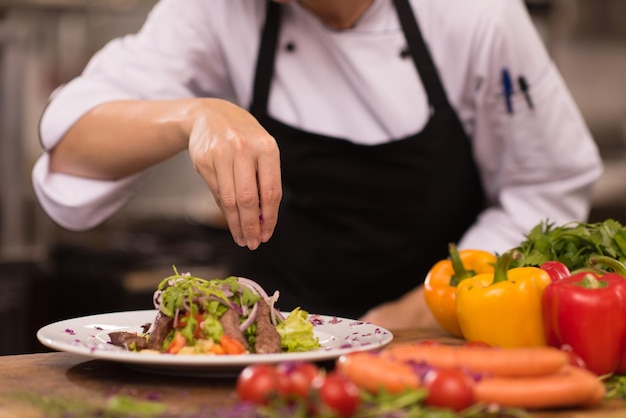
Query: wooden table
point(64, 385)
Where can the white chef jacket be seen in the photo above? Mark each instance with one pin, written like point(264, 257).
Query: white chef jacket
point(536, 163)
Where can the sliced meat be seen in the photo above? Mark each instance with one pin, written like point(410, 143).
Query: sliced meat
point(162, 326)
point(128, 340)
point(230, 323)
point(267, 338)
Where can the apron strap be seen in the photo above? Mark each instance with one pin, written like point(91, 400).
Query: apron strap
point(421, 56)
point(266, 58)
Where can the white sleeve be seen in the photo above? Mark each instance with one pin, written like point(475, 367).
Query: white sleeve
point(77, 203)
point(538, 162)
point(164, 60)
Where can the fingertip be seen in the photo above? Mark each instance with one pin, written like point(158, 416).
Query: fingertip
point(252, 243)
point(239, 241)
point(266, 235)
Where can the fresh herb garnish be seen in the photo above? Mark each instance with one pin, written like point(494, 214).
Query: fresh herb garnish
point(184, 291)
point(573, 243)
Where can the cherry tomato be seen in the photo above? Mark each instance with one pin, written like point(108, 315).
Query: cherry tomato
point(261, 383)
point(449, 388)
point(337, 393)
point(300, 376)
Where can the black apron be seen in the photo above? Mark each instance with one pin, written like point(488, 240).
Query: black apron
point(360, 224)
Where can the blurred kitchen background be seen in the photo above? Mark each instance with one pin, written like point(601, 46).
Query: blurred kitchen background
point(48, 274)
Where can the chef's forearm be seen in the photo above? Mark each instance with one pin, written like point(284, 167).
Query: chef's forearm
point(120, 138)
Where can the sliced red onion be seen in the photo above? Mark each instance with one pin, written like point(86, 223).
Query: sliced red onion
point(254, 286)
point(244, 308)
point(226, 291)
point(271, 304)
point(157, 299)
point(316, 320)
point(237, 308)
point(250, 319)
point(172, 282)
point(176, 317)
point(186, 304)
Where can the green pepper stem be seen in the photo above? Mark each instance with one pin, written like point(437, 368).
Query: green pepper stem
point(502, 265)
point(460, 272)
point(617, 266)
point(590, 281)
point(595, 270)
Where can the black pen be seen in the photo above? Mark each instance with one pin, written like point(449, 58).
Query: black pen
point(523, 85)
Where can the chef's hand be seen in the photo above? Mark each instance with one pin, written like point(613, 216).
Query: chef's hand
point(240, 162)
point(410, 311)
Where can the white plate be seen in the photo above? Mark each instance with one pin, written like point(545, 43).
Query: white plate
point(89, 336)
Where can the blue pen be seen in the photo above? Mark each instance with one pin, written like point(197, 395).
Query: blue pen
point(507, 85)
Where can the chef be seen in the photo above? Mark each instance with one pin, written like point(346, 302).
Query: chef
point(345, 142)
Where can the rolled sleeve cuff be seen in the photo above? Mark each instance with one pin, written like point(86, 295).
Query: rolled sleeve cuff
point(77, 203)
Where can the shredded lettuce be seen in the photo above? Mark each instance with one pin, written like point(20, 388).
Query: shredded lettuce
point(296, 332)
point(213, 328)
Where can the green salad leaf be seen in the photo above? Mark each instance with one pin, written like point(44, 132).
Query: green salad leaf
point(296, 332)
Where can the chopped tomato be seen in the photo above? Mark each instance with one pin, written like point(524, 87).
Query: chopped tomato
point(182, 323)
point(177, 343)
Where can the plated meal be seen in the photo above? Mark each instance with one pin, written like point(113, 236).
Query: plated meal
point(221, 316)
point(125, 336)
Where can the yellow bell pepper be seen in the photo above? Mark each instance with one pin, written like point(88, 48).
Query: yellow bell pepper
point(442, 279)
point(503, 309)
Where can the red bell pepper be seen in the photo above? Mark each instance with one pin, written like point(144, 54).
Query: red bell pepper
point(587, 311)
point(556, 270)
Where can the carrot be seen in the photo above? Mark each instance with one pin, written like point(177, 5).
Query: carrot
point(231, 345)
point(597, 396)
point(572, 386)
point(177, 344)
point(491, 361)
point(373, 372)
